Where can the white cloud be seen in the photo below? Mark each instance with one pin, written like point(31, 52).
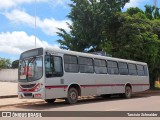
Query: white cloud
point(48, 26)
point(62, 3)
point(18, 41)
point(135, 3)
point(6, 4)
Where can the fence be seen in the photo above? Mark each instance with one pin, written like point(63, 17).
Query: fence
point(9, 75)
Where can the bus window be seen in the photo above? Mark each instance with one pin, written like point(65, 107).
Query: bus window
point(35, 70)
point(70, 63)
point(85, 65)
point(22, 70)
point(100, 66)
point(123, 69)
point(140, 70)
point(53, 66)
point(145, 70)
point(112, 67)
point(132, 69)
point(31, 69)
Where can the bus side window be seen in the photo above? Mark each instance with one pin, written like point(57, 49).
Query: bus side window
point(123, 68)
point(112, 67)
point(85, 65)
point(100, 66)
point(140, 70)
point(53, 66)
point(132, 69)
point(58, 71)
point(71, 63)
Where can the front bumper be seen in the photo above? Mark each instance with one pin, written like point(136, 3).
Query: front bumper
point(31, 95)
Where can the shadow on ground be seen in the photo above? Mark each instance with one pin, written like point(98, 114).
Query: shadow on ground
point(85, 100)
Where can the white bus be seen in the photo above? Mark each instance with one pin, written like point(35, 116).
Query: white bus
point(47, 73)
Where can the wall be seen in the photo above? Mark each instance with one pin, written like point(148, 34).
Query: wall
point(9, 75)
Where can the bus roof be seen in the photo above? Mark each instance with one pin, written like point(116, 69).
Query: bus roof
point(56, 50)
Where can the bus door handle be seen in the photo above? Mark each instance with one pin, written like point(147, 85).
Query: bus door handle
point(62, 81)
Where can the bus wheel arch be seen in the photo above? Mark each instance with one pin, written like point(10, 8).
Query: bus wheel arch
point(128, 91)
point(76, 86)
point(73, 92)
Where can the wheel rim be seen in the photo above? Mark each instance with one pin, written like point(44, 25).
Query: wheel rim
point(128, 91)
point(73, 96)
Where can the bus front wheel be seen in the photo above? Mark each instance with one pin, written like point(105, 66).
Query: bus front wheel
point(72, 96)
point(50, 100)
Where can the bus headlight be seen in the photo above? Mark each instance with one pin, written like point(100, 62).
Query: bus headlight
point(39, 87)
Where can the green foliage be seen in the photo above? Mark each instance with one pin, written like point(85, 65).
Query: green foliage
point(4, 63)
point(89, 18)
point(156, 27)
point(156, 13)
point(131, 11)
point(134, 39)
point(152, 12)
point(15, 64)
point(133, 36)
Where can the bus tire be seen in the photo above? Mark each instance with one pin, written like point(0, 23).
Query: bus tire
point(128, 92)
point(72, 96)
point(50, 101)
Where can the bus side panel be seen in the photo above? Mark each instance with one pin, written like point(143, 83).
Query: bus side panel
point(54, 89)
point(140, 83)
point(85, 81)
point(55, 93)
point(104, 83)
point(112, 84)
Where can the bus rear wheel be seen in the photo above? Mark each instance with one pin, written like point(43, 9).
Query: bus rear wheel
point(50, 100)
point(72, 96)
point(128, 92)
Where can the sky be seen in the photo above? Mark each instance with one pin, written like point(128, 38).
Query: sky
point(17, 23)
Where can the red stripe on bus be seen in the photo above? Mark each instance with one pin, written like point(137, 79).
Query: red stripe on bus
point(49, 87)
point(102, 85)
point(140, 84)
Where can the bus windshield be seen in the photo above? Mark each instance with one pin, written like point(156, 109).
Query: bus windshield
point(30, 69)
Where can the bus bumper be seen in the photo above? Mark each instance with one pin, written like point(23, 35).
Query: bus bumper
point(31, 95)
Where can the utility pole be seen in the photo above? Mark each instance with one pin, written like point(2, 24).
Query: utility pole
point(35, 21)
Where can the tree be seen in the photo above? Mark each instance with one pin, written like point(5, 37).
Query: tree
point(132, 11)
point(156, 27)
point(152, 12)
point(4, 63)
point(15, 64)
point(156, 13)
point(149, 11)
point(88, 20)
point(131, 36)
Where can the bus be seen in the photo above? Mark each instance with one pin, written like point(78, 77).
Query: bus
point(49, 73)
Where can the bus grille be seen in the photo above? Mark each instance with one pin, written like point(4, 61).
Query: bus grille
point(27, 94)
point(28, 86)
